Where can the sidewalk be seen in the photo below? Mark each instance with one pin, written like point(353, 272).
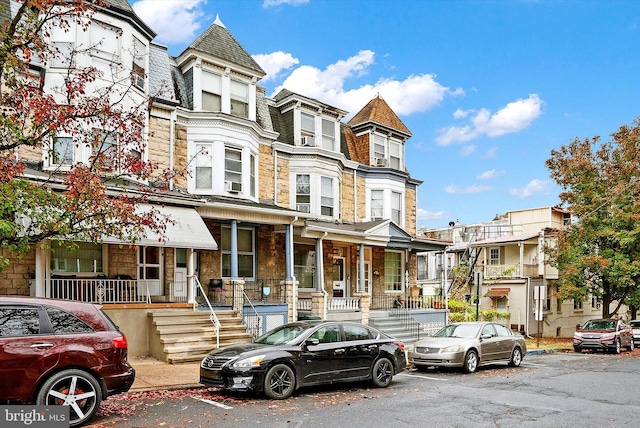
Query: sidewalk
point(152, 374)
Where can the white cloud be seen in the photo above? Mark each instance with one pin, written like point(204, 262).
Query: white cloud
point(423, 214)
point(468, 150)
point(514, 117)
point(275, 63)
point(453, 189)
point(491, 153)
point(271, 3)
point(490, 175)
point(177, 21)
point(532, 188)
point(416, 93)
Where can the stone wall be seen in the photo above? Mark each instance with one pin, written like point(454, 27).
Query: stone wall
point(348, 195)
point(410, 216)
point(122, 261)
point(283, 193)
point(14, 278)
point(361, 195)
point(180, 160)
point(266, 173)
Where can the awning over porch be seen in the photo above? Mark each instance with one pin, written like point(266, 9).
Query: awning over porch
point(188, 231)
point(497, 293)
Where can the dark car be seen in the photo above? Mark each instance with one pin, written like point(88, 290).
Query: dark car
point(469, 345)
point(635, 329)
point(603, 335)
point(57, 352)
point(302, 354)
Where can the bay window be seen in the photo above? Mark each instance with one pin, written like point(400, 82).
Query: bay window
point(211, 91)
point(204, 167)
point(239, 99)
point(63, 148)
point(396, 208)
point(377, 205)
point(303, 193)
point(326, 197)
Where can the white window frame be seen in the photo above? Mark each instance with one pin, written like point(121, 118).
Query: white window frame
point(105, 41)
point(303, 193)
point(377, 204)
point(226, 252)
point(138, 63)
point(494, 256)
point(204, 163)
point(230, 173)
point(327, 201)
point(307, 131)
point(328, 134)
point(65, 158)
point(211, 89)
point(391, 278)
point(239, 92)
point(396, 210)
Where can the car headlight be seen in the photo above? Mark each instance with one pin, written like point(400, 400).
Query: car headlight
point(609, 336)
point(452, 348)
point(249, 362)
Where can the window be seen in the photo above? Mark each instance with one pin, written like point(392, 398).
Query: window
point(63, 45)
point(379, 152)
point(422, 268)
point(105, 41)
point(501, 302)
point(377, 204)
point(137, 66)
point(181, 257)
point(252, 175)
point(63, 151)
point(328, 334)
point(63, 322)
point(105, 150)
point(328, 134)
point(303, 193)
point(494, 256)
point(239, 99)
point(18, 322)
point(86, 257)
point(326, 196)
point(304, 265)
point(577, 305)
point(396, 208)
point(211, 91)
point(356, 332)
point(308, 128)
point(395, 155)
point(204, 167)
point(233, 165)
point(393, 271)
point(502, 330)
point(246, 252)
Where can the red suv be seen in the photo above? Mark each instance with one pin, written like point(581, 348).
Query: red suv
point(57, 352)
point(604, 335)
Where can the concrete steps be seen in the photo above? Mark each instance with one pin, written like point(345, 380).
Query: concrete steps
point(180, 336)
point(391, 326)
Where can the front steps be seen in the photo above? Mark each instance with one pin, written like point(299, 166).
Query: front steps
point(183, 335)
point(391, 326)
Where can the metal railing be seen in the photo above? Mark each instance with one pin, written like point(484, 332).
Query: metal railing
point(266, 290)
point(213, 317)
point(98, 290)
point(251, 318)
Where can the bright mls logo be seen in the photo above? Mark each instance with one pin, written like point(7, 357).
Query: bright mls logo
point(34, 416)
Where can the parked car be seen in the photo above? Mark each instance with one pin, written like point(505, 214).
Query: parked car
point(603, 335)
point(57, 352)
point(305, 353)
point(469, 345)
point(635, 330)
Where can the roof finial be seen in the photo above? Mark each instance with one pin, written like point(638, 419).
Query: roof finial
point(218, 22)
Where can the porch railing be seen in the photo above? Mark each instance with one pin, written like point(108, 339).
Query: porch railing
point(266, 290)
point(343, 304)
point(510, 271)
point(213, 317)
point(96, 290)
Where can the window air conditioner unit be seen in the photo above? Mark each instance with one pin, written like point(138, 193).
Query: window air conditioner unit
point(307, 141)
point(380, 161)
point(233, 187)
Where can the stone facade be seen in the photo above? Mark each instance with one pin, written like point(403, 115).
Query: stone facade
point(266, 173)
point(14, 278)
point(348, 197)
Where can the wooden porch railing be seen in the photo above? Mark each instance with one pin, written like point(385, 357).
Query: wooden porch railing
point(96, 290)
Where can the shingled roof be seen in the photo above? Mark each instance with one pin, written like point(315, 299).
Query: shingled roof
point(377, 111)
point(218, 42)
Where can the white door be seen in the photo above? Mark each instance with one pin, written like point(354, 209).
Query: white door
point(339, 285)
point(180, 283)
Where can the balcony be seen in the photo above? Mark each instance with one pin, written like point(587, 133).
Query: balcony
point(510, 271)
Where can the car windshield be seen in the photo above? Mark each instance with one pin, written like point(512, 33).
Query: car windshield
point(281, 335)
point(599, 325)
point(459, 330)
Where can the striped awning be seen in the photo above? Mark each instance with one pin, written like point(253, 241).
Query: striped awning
point(497, 293)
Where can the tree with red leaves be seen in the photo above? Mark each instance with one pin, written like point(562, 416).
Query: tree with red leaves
point(102, 114)
point(599, 256)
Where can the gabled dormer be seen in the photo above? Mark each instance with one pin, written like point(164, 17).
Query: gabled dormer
point(379, 136)
point(308, 122)
point(219, 74)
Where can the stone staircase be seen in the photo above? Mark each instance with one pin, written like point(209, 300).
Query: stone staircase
point(184, 335)
point(391, 325)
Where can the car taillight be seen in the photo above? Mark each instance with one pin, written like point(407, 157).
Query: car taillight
point(120, 342)
point(400, 345)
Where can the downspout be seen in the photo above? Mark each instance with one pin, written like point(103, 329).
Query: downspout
point(355, 197)
point(275, 177)
point(290, 274)
point(320, 274)
point(172, 144)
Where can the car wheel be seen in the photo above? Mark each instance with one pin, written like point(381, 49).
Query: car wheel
point(74, 388)
point(279, 382)
point(577, 348)
point(631, 346)
point(516, 357)
point(618, 346)
point(471, 362)
point(382, 373)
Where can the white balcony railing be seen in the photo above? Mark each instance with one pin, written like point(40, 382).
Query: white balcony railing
point(510, 271)
point(99, 290)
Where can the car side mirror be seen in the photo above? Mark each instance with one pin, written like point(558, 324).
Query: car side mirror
point(311, 342)
point(485, 336)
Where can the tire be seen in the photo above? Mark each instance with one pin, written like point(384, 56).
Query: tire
point(280, 382)
point(577, 349)
point(382, 373)
point(516, 357)
point(631, 346)
point(470, 362)
point(74, 388)
point(618, 347)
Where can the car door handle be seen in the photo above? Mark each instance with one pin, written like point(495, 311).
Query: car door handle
point(339, 351)
point(42, 345)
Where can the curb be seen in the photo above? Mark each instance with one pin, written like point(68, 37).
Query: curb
point(165, 387)
point(547, 351)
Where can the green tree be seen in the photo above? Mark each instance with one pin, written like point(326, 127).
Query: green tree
point(599, 255)
point(85, 201)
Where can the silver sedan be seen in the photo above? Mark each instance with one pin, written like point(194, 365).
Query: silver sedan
point(469, 345)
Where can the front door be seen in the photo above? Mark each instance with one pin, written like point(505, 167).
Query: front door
point(339, 285)
point(180, 275)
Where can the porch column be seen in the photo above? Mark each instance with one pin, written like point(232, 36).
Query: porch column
point(319, 263)
point(288, 252)
point(234, 249)
point(361, 269)
point(39, 288)
point(191, 282)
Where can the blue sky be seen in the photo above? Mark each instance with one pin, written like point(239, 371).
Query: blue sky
point(487, 88)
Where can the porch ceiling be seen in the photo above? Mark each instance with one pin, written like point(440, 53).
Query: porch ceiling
point(189, 230)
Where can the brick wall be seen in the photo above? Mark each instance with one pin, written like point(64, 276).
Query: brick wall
point(14, 279)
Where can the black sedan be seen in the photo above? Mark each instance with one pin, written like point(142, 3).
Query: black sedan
point(305, 353)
